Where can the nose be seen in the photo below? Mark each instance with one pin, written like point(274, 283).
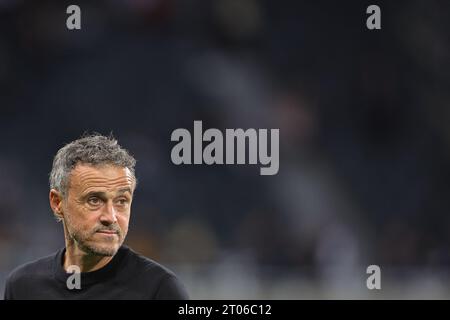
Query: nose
point(109, 214)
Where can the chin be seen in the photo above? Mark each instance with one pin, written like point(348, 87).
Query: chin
point(107, 250)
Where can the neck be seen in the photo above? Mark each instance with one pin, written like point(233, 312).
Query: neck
point(87, 262)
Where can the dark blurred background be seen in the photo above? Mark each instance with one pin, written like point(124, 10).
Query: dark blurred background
point(364, 137)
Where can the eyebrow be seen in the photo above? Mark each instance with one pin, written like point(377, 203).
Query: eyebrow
point(124, 190)
point(101, 194)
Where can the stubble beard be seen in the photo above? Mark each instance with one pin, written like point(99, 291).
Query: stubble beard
point(84, 240)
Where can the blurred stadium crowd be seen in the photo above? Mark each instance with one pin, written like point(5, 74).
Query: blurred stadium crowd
point(364, 137)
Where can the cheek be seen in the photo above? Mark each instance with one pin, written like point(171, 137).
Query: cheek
point(123, 221)
point(81, 218)
point(76, 210)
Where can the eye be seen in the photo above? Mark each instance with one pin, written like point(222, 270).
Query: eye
point(94, 201)
point(122, 201)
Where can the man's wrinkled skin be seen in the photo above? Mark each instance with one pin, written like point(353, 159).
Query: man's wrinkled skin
point(95, 213)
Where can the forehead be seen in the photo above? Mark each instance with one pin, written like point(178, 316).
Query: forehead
point(106, 177)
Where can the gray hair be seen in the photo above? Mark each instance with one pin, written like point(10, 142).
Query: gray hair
point(93, 149)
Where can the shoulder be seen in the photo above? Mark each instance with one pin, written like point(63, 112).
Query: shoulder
point(164, 282)
point(29, 273)
point(32, 269)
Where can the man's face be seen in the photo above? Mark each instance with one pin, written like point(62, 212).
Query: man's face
point(96, 211)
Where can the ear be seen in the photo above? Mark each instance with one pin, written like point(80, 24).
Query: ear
point(56, 201)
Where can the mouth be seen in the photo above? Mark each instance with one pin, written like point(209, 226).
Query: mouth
point(107, 232)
